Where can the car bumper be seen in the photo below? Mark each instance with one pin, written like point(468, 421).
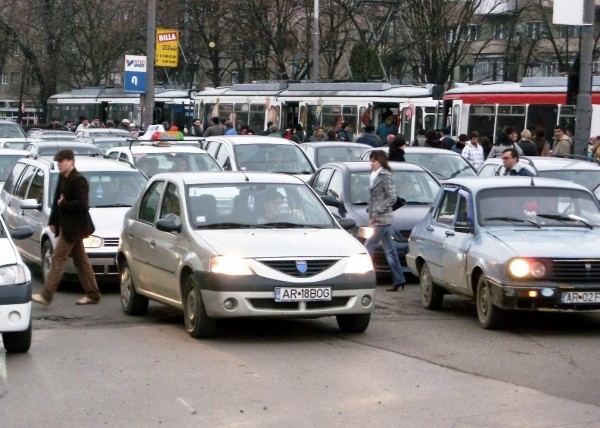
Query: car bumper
point(542, 297)
point(253, 296)
point(15, 307)
point(103, 265)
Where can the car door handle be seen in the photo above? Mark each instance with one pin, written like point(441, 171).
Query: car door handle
point(152, 243)
point(449, 233)
point(429, 228)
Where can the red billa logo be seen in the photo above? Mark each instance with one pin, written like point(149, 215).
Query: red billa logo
point(168, 37)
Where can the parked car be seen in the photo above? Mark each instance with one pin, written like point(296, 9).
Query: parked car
point(511, 244)
point(103, 133)
point(323, 152)
point(260, 153)
point(241, 245)
point(13, 143)
point(50, 148)
point(26, 199)
point(108, 142)
point(344, 187)
point(15, 291)
point(10, 129)
point(444, 164)
point(8, 159)
point(165, 157)
point(50, 134)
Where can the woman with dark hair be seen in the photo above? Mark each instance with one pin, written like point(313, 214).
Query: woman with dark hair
point(541, 144)
point(432, 140)
point(397, 146)
point(503, 142)
point(382, 198)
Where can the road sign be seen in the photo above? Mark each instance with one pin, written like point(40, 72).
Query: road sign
point(135, 73)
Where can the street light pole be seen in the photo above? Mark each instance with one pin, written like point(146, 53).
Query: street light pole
point(148, 112)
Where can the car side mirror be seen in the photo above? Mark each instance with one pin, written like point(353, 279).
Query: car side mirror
point(171, 223)
point(463, 227)
point(30, 204)
point(347, 223)
point(21, 232)
point(332, 201)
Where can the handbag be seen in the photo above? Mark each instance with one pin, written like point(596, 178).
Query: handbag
point(399, 202)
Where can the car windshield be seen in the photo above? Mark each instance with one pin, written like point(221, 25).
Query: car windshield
point(109, 188)
point(442, 165)
point(155, 163)
point(537, 206)
point(11, 130)
point(255, 205)
point(6, 164)
point(270, 157)
point(416, 187)
point(585, 177)
point(338, 154)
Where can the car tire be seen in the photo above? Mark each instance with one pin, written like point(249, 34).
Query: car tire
point(432, 295)
point(490, 316)
point(132, 302)
point(47, 252)
point(17, 341)
point(353, 323)
point(197, 323)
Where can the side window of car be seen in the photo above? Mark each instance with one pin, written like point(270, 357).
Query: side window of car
point(447, 211)
point(213, 148)
point(24, 181)
point(170, 204)
point(224, 158)
point(321, 180)
point(150, 201)
point(336, 185)
point(36, 190)
point(13, 177)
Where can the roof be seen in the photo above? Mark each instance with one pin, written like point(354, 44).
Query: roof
point(229, 177)
point(14, 152)
point(160, 149)
point(544, 163)
point(478, 183)
point(89, 163)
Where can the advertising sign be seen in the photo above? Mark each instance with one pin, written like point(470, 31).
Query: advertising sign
point(135, 74)
point(167, 47)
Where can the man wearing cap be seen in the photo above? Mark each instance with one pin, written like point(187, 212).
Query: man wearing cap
point(71, 222)
point(85, 124)
point(215, 129)
point(124, 124)
point(54, 124)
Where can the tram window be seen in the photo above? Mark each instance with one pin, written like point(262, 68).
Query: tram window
point(542, 116)
point(407, 122)
point(257, 117)
point(330, 115)
point(350, 115)
point(242, 115)
point(481, 119)
point(566, 118)
point(313, 119)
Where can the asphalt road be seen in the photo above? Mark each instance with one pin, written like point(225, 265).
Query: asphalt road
point(94, 366)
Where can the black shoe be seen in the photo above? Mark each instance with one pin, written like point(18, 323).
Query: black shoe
point(395, 287)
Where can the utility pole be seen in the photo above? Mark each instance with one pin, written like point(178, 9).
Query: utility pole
point(148, 111)
point(316, 41)
point(583, 113)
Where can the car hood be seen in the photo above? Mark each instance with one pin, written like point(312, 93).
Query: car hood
point(9, 256)
point(108, 221)
point(551, 242)
point(405, 218)
point(256, 243)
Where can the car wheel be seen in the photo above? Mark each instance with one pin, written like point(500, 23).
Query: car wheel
point(46, 259)
point(432, 295)
point(197, 323)
point(353, 323)
point(132, 302)
point(490, 316)
point(17, 341)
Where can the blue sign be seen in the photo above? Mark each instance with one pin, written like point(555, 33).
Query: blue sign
point(135, 81)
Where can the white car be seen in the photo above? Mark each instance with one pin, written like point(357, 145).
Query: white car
point(239, 245)
point(163, 157)
point(15, 292)
point(8, 159)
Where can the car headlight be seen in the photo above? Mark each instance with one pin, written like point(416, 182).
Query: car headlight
point(359, 263)
point(92, 242)
point(230, 265)
point(13, 274)
point(522, 268)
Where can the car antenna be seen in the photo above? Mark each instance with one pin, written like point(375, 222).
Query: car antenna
point(245, 176)
point(532, 184)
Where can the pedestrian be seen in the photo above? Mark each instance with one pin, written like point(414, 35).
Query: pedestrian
point(54, 124)
point(318, 135)
point(562, 142)
point(486, 143)
point(432, 140)
point(71, 223)
point(473, 151)
point(124, 124)
point(420, 138)
point(95, 123)
point(215, 128)
point(229, 128)
point(505, 140)
point(382, 198)
point(460, 144)
point(343, 132)
point(526, 144)
point(68, 126)
point(85, 124)
point(274, 131)
point(298, 135)
point(446, 141)
point(387, 127)
point(369, 137)
point(195, 129)
point(267, 130)
point(397, 148)
point(510, 160)
point(541, 144)
point(331, 135)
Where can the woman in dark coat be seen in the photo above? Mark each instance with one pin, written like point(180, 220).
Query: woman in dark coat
point(397, 146)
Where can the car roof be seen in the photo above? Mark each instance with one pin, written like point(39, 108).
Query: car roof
point(87, 163)
point(13, 152)
point(477, 183)
point(335, 144)
point(545, 163)
point(68, 144)
point(229, 177)
point(251, 139)
point(159, 149)
point(362, 166)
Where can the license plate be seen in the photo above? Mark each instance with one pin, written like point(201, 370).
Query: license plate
point(302, 294)
point(580, 297)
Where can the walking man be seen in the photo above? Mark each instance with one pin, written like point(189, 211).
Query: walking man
point(70, 221)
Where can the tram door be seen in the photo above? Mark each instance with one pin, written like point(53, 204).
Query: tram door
point(290, 115)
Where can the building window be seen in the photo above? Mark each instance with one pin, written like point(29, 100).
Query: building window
point(472, 32)
point(568, 31)
point(450, 35)
point(535, 30)
point(4, 80)
point(500, 31)
point(488, 69)
point(15, 77)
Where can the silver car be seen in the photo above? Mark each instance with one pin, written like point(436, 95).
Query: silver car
point(234, 245)
point(510, 243)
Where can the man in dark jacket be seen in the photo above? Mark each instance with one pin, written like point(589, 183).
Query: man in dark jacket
point(215, 129)
point(71, 222)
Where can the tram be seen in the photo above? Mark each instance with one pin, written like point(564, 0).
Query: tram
point(320, 104)
point(12, 109)
point(175, 106)
point(536, 102)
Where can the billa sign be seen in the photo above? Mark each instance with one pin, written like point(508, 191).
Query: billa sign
point(167, 48)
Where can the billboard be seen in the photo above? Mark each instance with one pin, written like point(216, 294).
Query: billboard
point(167, 48)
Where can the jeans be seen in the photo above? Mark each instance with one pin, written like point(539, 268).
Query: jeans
point(82, 264)
point(382, 233)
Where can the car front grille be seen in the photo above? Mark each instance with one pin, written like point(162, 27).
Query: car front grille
point(335, 302)
point(111, 242)
point(288, 267)
point(576, 270)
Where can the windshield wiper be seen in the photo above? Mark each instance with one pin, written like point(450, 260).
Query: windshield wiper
point(360, 203)
point(416, 203)
point(111, 206)
point(226, 225)
point(284, 224)
point(464, 168)
point(512, 220)
point(565, 218)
